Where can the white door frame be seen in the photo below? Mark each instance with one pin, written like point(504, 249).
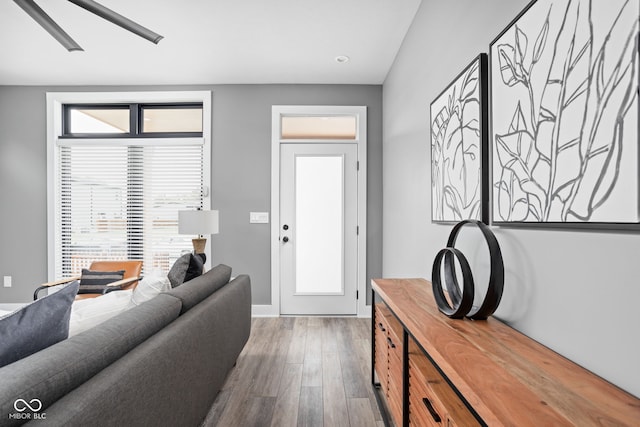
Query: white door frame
point(279, 111)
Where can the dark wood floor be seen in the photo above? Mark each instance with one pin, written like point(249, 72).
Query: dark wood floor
point(301, 371)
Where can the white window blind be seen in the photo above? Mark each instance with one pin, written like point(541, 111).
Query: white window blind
point(121, 201)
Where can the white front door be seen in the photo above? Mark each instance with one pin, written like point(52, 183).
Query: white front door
point(318, 228)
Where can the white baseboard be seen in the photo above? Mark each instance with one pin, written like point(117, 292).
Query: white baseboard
point(264, 311)
point(365, 315)
point(258, 310)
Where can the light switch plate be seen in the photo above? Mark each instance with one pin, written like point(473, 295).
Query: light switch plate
point(7, 281)
point(259, 217)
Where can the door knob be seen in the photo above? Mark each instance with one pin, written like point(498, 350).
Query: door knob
point(285, 239)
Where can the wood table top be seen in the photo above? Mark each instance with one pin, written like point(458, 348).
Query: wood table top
point(508, 378)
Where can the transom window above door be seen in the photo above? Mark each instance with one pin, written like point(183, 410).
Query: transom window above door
point(319, 127)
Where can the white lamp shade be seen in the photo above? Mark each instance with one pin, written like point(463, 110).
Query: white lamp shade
point(198, 222)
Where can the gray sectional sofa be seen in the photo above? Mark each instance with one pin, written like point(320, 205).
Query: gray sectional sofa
point(159, 364)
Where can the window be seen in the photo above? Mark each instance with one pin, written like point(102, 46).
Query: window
point(121, 173)
point(158, 119)
point(96, 120)
point(318, 127)
point(135, 120)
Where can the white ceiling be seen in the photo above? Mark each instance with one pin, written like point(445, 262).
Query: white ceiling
point(207, 42)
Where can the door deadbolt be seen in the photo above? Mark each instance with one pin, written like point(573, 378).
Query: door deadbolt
point(285, 227)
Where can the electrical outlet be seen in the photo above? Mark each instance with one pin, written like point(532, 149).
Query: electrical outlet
point(7, 281)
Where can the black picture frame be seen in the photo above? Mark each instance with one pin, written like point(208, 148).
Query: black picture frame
point(564, 116)
point(459, 146)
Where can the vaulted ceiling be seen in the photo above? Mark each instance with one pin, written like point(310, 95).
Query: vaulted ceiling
point(207, 42)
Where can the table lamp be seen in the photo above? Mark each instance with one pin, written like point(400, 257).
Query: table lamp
point(200, 223)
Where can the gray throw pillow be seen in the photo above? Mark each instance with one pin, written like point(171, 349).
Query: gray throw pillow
point(36, 326)
point(187, 267)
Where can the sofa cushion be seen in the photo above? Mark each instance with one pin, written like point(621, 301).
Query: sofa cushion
point(187, 267)
point(36, 326)
point(95, 282)
point(52, 373)
point(195, 290)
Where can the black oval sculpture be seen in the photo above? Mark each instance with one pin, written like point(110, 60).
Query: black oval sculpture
point(496, 277)
point(463, 304)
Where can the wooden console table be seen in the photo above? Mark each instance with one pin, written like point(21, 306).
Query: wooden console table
point(436, 371)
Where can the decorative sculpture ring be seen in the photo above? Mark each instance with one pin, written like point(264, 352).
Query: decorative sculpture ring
point(496, 277)
point(463, 304)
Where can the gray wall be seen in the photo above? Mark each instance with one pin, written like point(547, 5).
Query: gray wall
point(576, 292)
point(241, 174)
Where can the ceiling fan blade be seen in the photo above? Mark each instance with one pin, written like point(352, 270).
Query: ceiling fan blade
point(48, 24)
point(118, 19)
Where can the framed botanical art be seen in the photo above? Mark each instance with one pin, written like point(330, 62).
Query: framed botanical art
point(459, 136)
point(564, 115)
